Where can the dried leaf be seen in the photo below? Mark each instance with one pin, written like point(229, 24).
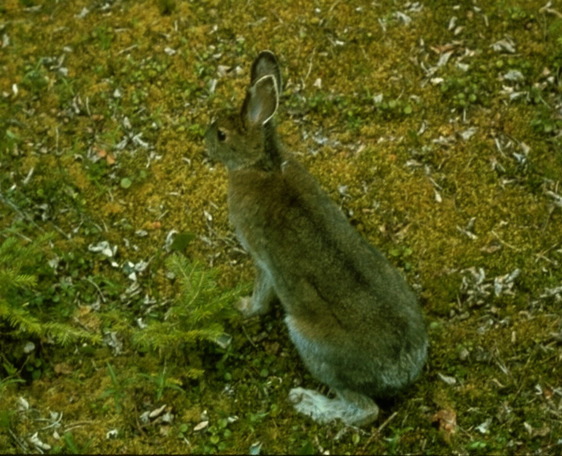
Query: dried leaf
point(62, 369)
point(202, 425)
point(446, 420)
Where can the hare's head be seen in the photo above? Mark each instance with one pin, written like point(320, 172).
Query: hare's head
point(244, 140)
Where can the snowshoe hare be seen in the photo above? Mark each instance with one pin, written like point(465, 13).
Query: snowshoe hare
point(354, 320)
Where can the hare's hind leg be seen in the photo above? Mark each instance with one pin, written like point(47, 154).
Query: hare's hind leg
point(262, 296)
point(349, 406)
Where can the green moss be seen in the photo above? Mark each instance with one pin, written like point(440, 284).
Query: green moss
point(446, 164)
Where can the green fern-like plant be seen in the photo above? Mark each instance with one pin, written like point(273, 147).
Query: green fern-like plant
point(24, 276)
point(197, 313)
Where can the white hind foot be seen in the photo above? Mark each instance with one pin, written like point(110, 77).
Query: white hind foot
point(350, 407)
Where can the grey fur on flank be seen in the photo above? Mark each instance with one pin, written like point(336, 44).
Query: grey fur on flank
point(355, 321)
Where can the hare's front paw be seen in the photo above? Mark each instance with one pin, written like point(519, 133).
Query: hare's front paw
point(247, 307)
point(250, 306)
point(244, 306)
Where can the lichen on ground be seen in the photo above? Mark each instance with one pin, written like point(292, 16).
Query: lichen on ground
point(436, 126)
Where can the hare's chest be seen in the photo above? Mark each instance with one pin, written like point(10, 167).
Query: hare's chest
point(251, 223)
point(252, 241)
point(253, 236)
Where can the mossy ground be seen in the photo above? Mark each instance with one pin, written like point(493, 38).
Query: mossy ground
point(436, 125)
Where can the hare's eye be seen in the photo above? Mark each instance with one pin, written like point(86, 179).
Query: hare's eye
point(221, 135)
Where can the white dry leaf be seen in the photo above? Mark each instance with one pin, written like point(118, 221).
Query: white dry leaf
point(447, 379)
point(555, 292)
point(104, 248)
point(413, 164)
point(56, 418)
point(444, 58)
point(515, 95)
point(122, 144)
point(83, 13)
point(504, 284)
point(484, 428)
point(170, 239)
point(132, 290)
point(140, 266)
point(467, 233)
point(458, 30)
point(556, 197)
point(202, 425)
point(473, 284)
point(140, 142)
point(35, 440)
point(144, 417)
point(463, 66)
point(156, 412)
point(415, 7)
point(467, 230)
point(223, 341)
point(468, 133)
point(168, 417)
point(111, 340)
point(213, 85)
point(223, 70)
point(23, 405)
point(513, 75)
point(404, 18)
point(148, 300)
point(28, 347)
point(452, 23)
point(444, 140)
point(525, 148)
point(520, 158)
point(255, 448)
point(343, 190)
point(54, 262)
point(504, 45)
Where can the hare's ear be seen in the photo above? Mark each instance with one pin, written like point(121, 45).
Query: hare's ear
point(261, 102)
point(266, 64)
